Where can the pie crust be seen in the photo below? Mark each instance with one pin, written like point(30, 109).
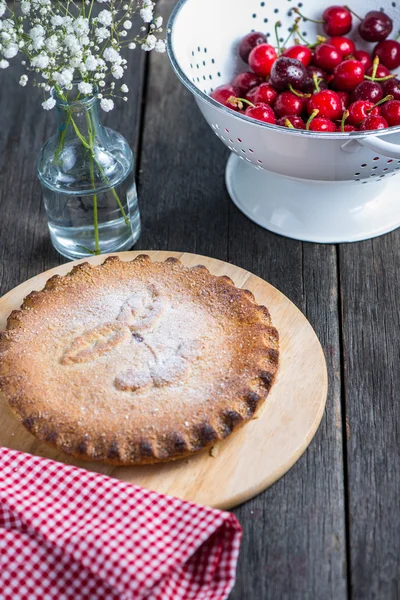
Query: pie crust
point(137, 362)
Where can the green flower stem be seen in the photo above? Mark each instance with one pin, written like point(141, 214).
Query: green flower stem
point(89, 145)
point(95, 212)
point(114, 193)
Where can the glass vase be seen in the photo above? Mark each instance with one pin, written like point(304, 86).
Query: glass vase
point(87, 174)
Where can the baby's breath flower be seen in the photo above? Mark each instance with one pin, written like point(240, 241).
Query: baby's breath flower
point(85, 88)
point(49, 104)
point(11, 51)
point(117, 71)
point(106, 104)
point(41, 61)
point(147, 11)
point(91, 63)
point(102, 33)
point(105, 17)
point(63, 43)
point(160, 46)
point(149, 43)
point(25, 7)
point(111, 55)
point(125, 99)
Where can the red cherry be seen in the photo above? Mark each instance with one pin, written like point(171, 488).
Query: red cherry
point(262, 58)
point(327, 57)
point(245, 81)
point(297, 122)
point(374, 122)
point(344, 44)
point(381, 71)
point(321, 124)
point(348, 75)
point(347, 128)
point(249, 42)
point(261, 112)
point(223, 93)
point(265, 93)
point(359, 110)
point(392, 87)
point(289, 104)
point(376, 26)
point(338, 20)
point(364, 58)
point(389, 53)
point(368, 90)
point(301, 53)
point(391, 112)
point(345, 99)
point(328, 103)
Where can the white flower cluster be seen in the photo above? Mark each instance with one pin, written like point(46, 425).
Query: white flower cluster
point(65, 42)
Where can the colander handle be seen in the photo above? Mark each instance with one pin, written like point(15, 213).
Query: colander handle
point(373, 143)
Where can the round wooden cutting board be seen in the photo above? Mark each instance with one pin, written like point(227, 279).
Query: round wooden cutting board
point(251, 459)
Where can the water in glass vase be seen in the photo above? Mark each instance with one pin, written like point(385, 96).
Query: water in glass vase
point(71, 221)
point(89, 192)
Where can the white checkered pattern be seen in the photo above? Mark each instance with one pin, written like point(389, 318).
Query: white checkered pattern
point(68, 534)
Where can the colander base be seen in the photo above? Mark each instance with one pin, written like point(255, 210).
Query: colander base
point(325, 212)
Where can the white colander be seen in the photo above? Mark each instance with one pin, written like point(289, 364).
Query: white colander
point(304, 185)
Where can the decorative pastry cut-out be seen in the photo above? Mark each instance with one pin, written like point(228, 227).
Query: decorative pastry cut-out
point(143, 309)
point(96, 342)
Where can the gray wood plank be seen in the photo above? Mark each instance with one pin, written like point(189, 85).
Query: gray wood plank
point(370, 284)
point(294, 534)
point(25, 247)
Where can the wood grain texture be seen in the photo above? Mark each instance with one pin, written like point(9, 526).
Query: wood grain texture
point(370, 284)
point(294, 543)
point(294, 534)
point(251, 459)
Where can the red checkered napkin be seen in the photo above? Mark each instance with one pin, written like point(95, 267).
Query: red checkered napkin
point(68, 534)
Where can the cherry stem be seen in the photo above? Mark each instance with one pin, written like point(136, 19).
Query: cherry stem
point(320, 39)
point(289, 124)
point(380, 78)
point(239, 102)
point(316, 82)
point(352, 12)
point(296, 10)
point(298, 94)
point(312, 117)
point(292, 30)
point(375, 67)
point(386, 99)
point(344, 119)
point(397, 36)
point(277, 25)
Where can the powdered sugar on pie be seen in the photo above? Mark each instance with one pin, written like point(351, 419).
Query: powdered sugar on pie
point(137, 362)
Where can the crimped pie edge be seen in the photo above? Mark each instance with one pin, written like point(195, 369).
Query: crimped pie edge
point(198, 437)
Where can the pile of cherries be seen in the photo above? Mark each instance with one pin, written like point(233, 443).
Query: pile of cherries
point(329, 86)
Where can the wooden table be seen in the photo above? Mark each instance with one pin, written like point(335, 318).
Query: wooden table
point(330, 529)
